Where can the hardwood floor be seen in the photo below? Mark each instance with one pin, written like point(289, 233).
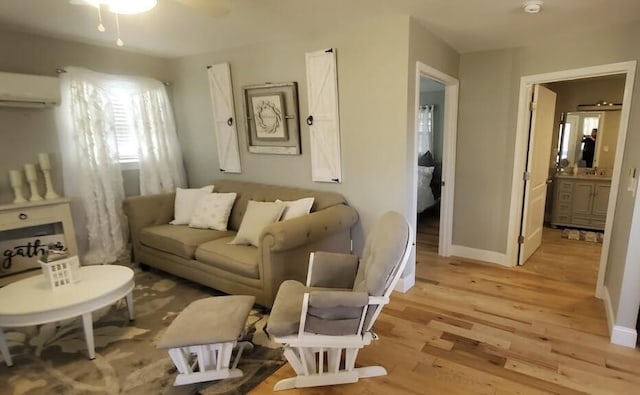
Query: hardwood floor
point(473, 328)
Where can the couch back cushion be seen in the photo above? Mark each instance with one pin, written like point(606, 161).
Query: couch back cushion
point(269, 193)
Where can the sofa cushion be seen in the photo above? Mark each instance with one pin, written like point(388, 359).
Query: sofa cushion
point(185, 203)
point(238, 259)
point(257, 217)
point(270, 193)
point(178, 240)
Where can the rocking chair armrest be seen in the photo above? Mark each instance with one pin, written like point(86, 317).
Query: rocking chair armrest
point(332, 299)
point(332, 270)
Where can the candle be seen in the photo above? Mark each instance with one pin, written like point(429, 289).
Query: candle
point(45, 163)
point(16, 178)
point(30, 171)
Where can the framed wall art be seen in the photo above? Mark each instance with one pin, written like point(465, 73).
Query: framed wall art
point(272, 119)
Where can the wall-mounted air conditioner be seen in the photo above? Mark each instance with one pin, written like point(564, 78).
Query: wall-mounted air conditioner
point(25, 90)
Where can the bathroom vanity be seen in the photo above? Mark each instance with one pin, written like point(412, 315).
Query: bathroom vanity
point(581, 201)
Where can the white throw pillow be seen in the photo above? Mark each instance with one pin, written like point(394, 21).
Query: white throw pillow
point(296, 208)
point(257, 216)
point(185, 201)
point(212, 211)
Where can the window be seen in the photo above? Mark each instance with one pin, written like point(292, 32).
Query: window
point(126, 141)
point(425, 129)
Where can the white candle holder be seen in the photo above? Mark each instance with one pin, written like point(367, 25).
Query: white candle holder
point(15, 176)
point(45, 166)
point(32, 178)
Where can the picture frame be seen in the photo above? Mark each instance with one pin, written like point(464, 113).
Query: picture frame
point(272, 118)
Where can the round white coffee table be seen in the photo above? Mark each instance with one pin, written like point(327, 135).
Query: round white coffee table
point(32, 301)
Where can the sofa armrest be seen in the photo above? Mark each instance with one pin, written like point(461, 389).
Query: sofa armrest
point(143, 211)
point(332, 270)
point(286, 235)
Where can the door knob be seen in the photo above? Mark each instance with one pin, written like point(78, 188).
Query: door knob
point(230, 121)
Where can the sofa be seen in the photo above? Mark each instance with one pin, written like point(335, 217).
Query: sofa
point(206, 257)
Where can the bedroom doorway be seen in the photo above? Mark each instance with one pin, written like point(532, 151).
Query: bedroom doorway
point(430, 131)
point(436, 115)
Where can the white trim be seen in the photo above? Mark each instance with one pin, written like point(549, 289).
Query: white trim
point(449, 137)
point(480, 255)
point(405, 283)
point(522, 131)
point(608, 308)
point(624, 336)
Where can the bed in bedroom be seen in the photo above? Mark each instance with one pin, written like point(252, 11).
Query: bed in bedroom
point(429, 182)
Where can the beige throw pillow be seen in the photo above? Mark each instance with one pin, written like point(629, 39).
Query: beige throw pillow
point(212, 211)
point(296, 208)
point(185, 201)
point(256, 218)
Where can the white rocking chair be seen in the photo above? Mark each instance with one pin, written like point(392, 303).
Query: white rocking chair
point(330, 319)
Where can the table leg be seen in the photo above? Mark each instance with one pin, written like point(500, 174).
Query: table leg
point(5, 349)
point(87, 322)
point(132, 313)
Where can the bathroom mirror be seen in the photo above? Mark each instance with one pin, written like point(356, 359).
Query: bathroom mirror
point(578, 144)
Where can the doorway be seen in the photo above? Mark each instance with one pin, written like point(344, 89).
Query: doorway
point(522, 216)
point(431, 108)
point(445, 111)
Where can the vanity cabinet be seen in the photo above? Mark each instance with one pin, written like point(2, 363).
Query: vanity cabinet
point(581, 201)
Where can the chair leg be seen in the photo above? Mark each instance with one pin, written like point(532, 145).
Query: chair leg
point(308, 363)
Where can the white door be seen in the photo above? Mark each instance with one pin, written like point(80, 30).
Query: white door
point(535, 186)
point(323, 120)
point(224, 117)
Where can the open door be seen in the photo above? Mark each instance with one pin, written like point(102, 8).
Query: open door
point(537, 171)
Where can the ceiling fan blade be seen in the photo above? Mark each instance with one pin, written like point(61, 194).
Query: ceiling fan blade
point(214, 8)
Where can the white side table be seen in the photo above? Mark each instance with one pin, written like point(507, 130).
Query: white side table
point(32, 301)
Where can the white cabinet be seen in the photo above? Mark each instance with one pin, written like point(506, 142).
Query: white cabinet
point(26, 216)
point(581, 201)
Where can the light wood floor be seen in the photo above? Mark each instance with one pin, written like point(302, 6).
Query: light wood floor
point(473, 328)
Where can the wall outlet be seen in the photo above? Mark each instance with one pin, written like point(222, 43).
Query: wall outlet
point(605, 148)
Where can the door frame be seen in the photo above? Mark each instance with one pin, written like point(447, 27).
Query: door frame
point(522, 134)
point(449, 136)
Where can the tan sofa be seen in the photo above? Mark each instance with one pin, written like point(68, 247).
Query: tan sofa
point(204, 255)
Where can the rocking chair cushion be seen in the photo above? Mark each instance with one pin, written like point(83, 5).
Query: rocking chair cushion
point(284, 319)
point(333, 270)
point(331, 299)
point(389, 242)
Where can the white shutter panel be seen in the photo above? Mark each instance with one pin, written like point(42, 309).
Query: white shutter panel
point(323, 120)
point(224, 117)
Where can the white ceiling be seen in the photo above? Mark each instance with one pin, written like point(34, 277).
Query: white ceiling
point(173, 29)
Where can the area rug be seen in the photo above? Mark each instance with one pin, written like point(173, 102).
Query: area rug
point(51, 358)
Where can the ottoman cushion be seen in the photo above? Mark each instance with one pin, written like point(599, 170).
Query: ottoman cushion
point(213, 320)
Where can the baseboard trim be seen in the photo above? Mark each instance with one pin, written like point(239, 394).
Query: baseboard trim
point(608, 308)
point(624, 336)
point(480, 255)
point(619, 335)
point(405, 283)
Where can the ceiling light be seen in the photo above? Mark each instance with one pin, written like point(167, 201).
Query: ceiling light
point(532, 6)
point(127, 7)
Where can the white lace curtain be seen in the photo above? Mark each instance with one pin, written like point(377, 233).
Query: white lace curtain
point(92, 174)
point(425, 129)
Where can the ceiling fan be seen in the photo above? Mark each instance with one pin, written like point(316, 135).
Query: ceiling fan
point(213, 8)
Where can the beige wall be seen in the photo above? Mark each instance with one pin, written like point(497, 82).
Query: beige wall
point(490, 83)
point(26, 132)
point(373, 83)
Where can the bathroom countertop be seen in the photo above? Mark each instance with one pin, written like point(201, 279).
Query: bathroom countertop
point(583, 177)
